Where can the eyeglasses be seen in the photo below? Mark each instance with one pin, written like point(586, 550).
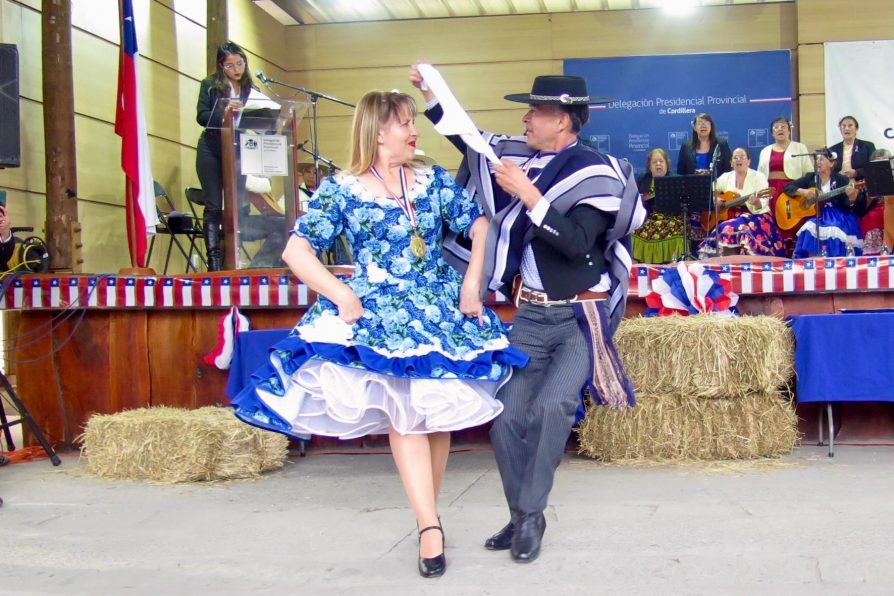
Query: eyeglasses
point(234, 65)
point(780, 126)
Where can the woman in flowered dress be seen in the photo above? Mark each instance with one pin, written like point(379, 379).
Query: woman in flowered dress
point(405, 346)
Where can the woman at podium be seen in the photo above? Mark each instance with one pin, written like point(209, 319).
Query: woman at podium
point(753, 231)
point(660, 239)
point(231, 79)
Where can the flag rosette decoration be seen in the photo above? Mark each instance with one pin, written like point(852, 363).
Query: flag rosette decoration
point(690, 289)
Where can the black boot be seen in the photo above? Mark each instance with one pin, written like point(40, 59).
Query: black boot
point(213, 250)
point(527, 537)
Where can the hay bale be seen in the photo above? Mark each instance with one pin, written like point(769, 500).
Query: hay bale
point(706, 355)
point(672, 427)
point(177, 445)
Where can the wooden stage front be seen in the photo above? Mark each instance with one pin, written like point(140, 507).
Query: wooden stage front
point(103, 343)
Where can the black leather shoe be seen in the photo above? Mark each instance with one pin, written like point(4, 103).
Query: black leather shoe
point(527, 538)
point(434, 566)
point(502, 540)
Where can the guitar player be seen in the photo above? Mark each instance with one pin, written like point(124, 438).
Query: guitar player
point(753, 231)
point(837, 197)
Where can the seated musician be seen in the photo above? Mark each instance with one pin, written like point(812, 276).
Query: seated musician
point(872, 213)
point(753, 231)
point(262, 219)
point(660, 239)
point(836, 198)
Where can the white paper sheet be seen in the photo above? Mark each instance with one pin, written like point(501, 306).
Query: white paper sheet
point(257, 100)
point(455, 120)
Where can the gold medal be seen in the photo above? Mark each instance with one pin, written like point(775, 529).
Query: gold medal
point(417, 246)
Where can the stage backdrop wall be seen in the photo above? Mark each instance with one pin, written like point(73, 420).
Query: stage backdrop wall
point(859, 81)
point(656, 99)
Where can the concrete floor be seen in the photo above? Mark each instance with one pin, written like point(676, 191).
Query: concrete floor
point(339, 524)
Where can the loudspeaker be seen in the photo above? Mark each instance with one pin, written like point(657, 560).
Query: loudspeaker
point(10, 141)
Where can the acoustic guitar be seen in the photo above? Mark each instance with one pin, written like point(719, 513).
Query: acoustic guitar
point(730, 201)
point(791, 211)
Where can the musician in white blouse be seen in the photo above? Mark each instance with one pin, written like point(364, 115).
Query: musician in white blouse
point(753, 230)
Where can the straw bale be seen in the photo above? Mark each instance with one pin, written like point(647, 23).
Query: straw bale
point(673, 428)
point(706, 355)
point(177, 445)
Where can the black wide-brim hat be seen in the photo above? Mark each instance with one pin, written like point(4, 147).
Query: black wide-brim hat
point(558, 90)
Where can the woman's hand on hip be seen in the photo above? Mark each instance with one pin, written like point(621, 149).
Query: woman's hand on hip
point(470, 303)
point(350, 309)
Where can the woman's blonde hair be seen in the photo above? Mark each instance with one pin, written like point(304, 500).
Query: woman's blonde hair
point(372, 112)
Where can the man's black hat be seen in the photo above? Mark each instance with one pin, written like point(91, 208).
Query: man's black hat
point(558, 90)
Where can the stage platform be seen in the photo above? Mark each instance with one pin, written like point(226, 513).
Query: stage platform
point(103, 343)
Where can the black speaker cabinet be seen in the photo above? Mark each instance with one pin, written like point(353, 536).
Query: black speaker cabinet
point(10, 142)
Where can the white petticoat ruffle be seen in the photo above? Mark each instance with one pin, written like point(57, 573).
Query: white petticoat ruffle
point(338, 401)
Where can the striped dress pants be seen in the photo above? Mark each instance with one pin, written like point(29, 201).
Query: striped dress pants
point(540, 403)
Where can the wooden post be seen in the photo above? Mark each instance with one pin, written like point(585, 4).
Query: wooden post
point(59, 132)
point(217, 30)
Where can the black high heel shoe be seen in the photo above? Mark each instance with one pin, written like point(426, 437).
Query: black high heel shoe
point(434, 566)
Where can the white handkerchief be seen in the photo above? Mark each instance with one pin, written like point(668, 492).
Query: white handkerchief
point(455, 120)
point(327, 329)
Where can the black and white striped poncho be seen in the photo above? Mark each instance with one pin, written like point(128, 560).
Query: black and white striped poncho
point(575, 176)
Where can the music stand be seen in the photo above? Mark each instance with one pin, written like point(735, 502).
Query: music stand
point(879, 178)
point(681, 195)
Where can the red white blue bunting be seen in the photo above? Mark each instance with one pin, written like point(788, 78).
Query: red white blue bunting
point(801, 276)
point(180, 292)
point(688, 289)
point(281, 290)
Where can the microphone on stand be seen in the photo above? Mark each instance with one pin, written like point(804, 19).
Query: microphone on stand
point(716, 157)
point(263, 78)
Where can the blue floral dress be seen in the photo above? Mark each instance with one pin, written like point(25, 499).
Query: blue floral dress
point(413, 360)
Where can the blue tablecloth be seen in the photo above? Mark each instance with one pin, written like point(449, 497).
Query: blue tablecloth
point(250, 352)
point(844, 357)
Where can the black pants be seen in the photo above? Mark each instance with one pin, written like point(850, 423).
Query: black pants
point(210, 172)
point(540, 404)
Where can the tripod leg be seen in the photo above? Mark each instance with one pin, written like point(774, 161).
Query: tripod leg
point(26, 417)
point(4, 423)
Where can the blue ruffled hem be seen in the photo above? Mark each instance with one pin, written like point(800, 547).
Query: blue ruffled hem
point(292, 352)
point(250, 410)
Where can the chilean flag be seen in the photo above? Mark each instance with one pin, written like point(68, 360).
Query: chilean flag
point(130, 125)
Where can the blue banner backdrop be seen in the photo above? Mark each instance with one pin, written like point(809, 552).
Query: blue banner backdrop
point(657, 97)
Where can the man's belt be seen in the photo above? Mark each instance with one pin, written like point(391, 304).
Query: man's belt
point(530, 296)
